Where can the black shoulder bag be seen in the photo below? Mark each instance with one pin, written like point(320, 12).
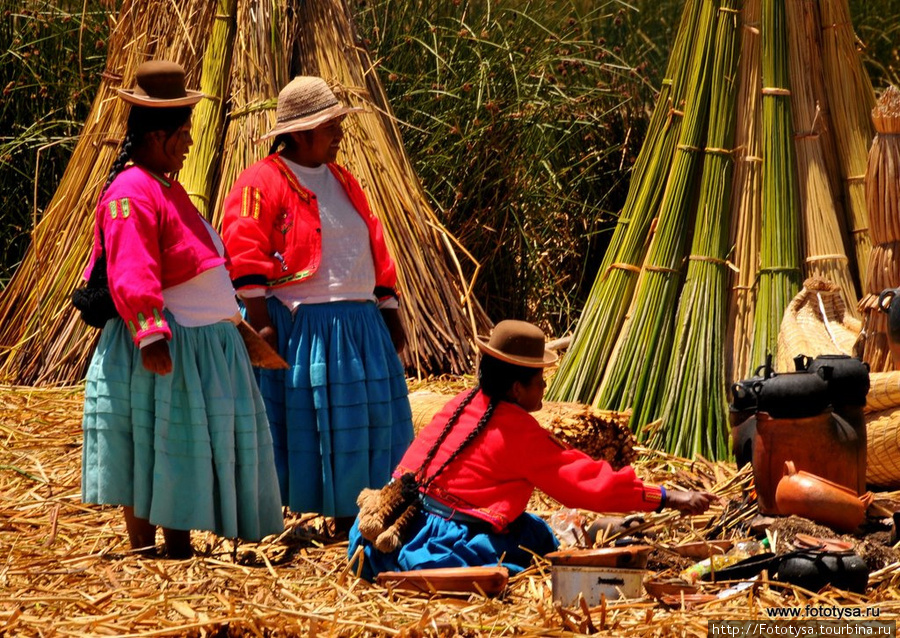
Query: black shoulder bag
point(92, 299)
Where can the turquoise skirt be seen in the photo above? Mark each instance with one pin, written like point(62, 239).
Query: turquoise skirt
point(340, 416)
point(434, 541)
point(190, 450)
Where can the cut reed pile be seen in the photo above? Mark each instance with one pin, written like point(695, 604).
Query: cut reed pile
point(43, 342)
point(883, 203)
point(438, 308)
point(67, 572)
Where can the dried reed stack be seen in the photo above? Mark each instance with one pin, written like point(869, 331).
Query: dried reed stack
point(632, 378)
point(582, 369)
point(694, 402)
point(850, 100)
point(440, 313)
point(261, 65)
point(883, 204)
point(779, 256)
point(746, 199)
point(42, 341)
point(821, 212)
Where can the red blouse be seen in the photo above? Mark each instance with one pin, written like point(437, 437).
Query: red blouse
point(493, 478)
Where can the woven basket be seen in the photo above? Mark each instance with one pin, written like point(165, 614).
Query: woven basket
point(883, 448)
point(876, 351)
point(816, 322)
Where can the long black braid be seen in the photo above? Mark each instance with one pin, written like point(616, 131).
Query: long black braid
point(143, 120)
point(280, 140)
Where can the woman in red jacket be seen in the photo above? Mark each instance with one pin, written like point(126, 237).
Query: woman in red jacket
point(479, 460)
point(310, 264)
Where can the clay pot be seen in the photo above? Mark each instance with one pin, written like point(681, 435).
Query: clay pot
point(824, 444)
point(820, 500)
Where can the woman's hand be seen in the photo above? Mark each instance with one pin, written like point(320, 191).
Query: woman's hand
point(395, 327)
point(156, 358)
point(689, 502)
point(258, 317)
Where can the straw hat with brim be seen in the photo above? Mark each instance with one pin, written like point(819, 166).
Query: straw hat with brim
point(160, 84)
point(304, 103)
point(519, 343)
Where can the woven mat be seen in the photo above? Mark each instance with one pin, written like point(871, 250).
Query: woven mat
point(883, 448)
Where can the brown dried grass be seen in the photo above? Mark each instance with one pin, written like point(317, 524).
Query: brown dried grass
point(66, 569)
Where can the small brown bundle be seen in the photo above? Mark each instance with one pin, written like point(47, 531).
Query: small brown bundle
point(601, 434)
point(385, 514)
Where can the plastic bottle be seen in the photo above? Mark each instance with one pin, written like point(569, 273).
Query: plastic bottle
point(740, 551)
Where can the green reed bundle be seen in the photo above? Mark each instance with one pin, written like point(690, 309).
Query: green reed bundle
point(207, 125)
point(440, 314)
point(634, 380)
point(42, 340)
point(746, 199)
point(824, 234)
point(850, 100)
point(779, 258)
point(693, 412)
point(581, 370)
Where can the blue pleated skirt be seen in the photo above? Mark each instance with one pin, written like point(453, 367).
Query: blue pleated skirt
point(190, 450)
point(340, 416)
point(438, 542)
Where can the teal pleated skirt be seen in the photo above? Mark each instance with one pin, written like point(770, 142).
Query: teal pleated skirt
point(190, 450)
point(340, 416)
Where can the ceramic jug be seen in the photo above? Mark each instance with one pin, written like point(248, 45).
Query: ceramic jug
point(820, 500)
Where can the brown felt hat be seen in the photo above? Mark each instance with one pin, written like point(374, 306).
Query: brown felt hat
point(519, 343)
point(304, 103)
point(160, 84)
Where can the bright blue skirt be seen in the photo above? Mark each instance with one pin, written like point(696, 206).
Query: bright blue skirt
point(438, 542)
point(190, 450)
point(340, 416)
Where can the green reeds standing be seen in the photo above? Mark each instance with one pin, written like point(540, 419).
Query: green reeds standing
point(824, 237)
point(779, 257)
point(581, 370)
point(746, 199)
point(694, 408)
point(633, 379)
point(198, 175)
point(850, 100)
point(42, 340)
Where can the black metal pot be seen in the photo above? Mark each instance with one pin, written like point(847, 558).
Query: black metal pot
point(848, 383)
point(812, 570)
point(793, 395)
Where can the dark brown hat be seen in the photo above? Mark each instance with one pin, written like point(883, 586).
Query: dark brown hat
point(160, 84)
point(519, 343)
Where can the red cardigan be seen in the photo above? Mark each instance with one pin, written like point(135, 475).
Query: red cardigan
point(494, 477)
point(272, 229)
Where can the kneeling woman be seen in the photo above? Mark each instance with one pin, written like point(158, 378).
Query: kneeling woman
point(481, 457)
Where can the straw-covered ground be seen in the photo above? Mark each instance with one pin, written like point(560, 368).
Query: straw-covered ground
point(65, 568)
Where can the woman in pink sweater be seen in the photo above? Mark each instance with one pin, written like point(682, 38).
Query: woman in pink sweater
point(174, 425)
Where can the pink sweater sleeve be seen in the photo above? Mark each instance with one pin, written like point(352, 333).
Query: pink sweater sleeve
point(131, 238)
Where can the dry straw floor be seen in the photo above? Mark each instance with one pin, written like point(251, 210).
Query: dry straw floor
point(65, 568)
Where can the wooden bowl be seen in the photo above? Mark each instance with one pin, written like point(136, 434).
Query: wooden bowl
point(625, 557)
point(702, 549)
point(661, 587)
point(489, 581)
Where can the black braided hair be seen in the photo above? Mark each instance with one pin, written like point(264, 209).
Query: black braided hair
point(280, 140)
point(479, 427)
point(143, 120)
